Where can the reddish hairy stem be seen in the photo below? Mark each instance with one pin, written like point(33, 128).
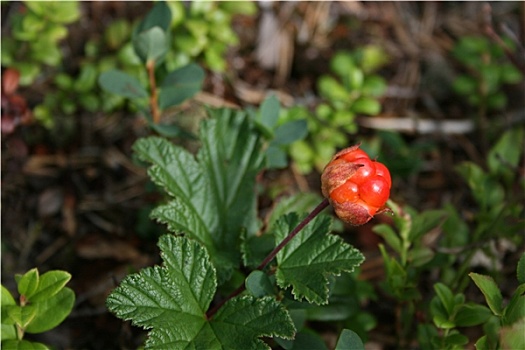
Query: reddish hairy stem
point(150, 66)
point(273, 254)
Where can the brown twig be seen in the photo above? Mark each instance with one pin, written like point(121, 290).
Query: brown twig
point(320, 207)
point(155, 112)
point(491, 33)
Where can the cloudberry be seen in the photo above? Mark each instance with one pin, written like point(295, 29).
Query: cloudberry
point(356, 186)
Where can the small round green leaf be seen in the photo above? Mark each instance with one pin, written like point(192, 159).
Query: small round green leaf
point(349, 340)
point(258, 284)
point(52, 311)
point(50, 284)
point(122, 84)
point(28, 283)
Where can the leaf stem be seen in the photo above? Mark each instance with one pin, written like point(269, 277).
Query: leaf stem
point(320, 207)
point(153, 101)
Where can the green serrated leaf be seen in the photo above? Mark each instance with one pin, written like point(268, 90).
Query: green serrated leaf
point(122, 84)
point(50, 284)
point(180, 85)
point(349, 340)
point(28, 283)
point(175, 295)
point(172, 301)
point(50, 312)
point(490, 290)
point(306, 261)
point(302, 202)
point(242, 320)
point(215, 197)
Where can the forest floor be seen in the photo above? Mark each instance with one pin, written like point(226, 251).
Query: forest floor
point(80, 203)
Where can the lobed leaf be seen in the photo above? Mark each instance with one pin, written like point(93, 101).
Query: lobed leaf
point(306, 261)
point(172, 301)
point(214, 195)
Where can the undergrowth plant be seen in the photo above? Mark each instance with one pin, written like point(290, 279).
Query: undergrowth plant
point(408, 255)
point(227, 280)
point(151, 40)
point(37, 29)
point(353, 90)
point(43, 304)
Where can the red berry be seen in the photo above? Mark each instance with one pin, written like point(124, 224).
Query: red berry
point(357, 186)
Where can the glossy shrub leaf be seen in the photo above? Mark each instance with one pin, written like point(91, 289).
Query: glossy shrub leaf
point(275, 157)
point(180, 85)
point(366, 105)
point(310, 257)
point(424, 222)
point(28, 283)
point(151, 44)
point(471, 315)
point(349, 340)
point(171, 301)
point(122, 84)
point(50, 283)
point(8, 330)
point(390, 236)
point(23, 345)
point(446, 297)
point(52, 311)
point(520, 270)
point(22, 316)
point(515, 309)
point(506, 152)
point(258, 284)
point(214, 198)
point(158, 16)
point(290, 132)
point(490, 290)
point(268, 114)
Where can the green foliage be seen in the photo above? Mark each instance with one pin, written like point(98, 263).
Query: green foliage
point(172, 301)
point(212, 207)
point(151, 44)
point(36, 33)
point(203, 30)
point(353, 91)
point(213, 195)
point(309, 258)
point(488, 72)
point(277, 133)
point(503, 325)
point(44, 303)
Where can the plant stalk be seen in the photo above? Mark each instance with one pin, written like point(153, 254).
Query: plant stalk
point(320, 207)
point(153, 101)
